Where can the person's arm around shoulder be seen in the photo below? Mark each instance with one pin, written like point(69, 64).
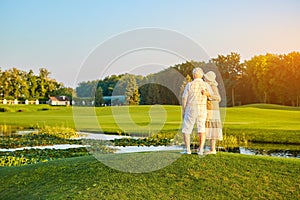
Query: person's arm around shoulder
point(216, 96)
point(205, 90)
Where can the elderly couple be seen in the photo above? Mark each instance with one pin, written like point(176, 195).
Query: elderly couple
point(200, 105)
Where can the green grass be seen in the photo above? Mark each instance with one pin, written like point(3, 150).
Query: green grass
point(221, 176)
point(224, 176)
point(262, 116)
point(264, 123)
point(36, 115)
point(259, 122)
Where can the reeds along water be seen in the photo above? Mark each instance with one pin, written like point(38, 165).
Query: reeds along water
point(8, 130)
point(231, 142)
point(5, 130)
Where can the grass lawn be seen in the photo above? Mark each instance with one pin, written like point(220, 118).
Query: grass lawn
point(221, 176)
point(264, 123)
point(263, 116)
point(259, 122)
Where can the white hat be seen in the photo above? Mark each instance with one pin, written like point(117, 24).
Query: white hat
point(198, 71)
point(211, 77)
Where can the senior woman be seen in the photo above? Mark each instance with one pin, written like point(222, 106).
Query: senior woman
point(213, 126)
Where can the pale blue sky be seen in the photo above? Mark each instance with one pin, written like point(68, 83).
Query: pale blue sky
point(60, 34)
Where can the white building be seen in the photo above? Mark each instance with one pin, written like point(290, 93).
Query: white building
point(59, 101)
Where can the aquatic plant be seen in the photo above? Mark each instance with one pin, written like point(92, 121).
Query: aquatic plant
point(61, 132)
point(231, 142)
point(13, 161)
point(141, 142)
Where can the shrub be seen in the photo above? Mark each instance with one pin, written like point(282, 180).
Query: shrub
point(4, 109)
point(43, 109)
point(231, 142)
point(13, 161)
point(61, 132)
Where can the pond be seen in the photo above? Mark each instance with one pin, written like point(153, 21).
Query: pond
point(277, 150)
point(285, 153)
point(56, 146)
point(240, 150)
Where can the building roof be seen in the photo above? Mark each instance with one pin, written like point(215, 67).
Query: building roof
point(59, 98)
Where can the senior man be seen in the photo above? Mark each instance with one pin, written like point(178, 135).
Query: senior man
point(194, 110)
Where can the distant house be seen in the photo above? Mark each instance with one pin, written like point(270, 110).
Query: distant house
point(59, 101)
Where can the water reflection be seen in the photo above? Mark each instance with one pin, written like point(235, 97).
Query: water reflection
point(270, 152)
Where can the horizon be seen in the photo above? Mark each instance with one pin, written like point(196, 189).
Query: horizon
point(143, 73)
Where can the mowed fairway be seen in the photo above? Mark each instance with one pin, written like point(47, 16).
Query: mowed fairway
point(28, 116)
point(259, 122)
point(262, 116)
point(264, 123)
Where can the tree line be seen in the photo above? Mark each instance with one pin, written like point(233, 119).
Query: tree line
point(269, 78)
point(22, 85)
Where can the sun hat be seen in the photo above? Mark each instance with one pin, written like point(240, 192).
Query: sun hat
point(211, 77)
point(198, 71)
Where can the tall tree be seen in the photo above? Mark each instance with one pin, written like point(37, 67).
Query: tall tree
point(108, 85)
point(132, 95)
point(18, 84)
point(99, 97)
point(42, 82)
point(291, 78)
point(86, 89)
point(231, 71)
point(33, 85)
point(260, 72)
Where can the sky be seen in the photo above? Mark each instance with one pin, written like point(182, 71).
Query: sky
point(60, 35)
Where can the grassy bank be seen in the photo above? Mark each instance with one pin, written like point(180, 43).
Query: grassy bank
point(224, 176)
point(259, 122)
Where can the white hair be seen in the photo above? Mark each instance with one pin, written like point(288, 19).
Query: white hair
point(198, 71)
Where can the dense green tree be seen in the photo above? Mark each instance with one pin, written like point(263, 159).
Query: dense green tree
point(32, 85)
point(119, 84)
point(46, 86)
point(275, 78)
point(18, 84)
point(86, 89)
point(108, 85)
point(144, 90)
point(231, 70)
point(187, 68)
point(266, 78)
point(132, 96)
point(153, 95)
point(292, 78)
point(15, 83)
point(5, 86)
point(99, 97)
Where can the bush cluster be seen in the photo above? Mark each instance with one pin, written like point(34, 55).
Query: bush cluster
point(61, 132)
point(15, 161)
